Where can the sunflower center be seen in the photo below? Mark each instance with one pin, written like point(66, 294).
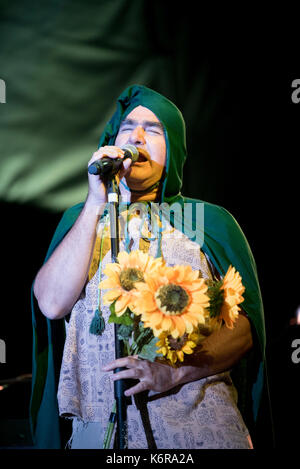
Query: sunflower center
point(173, 297)
point(129, 277)
point(177, 344)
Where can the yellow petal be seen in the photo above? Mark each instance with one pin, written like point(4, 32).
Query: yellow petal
point(122, 303)
point(123, 258)
point(109, 283)
point(111, 268)
point(179, 324)
point(154, 319)
point(166, 323)
point(111, 296)
point(189, 327)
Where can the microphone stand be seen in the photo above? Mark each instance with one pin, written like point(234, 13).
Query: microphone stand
point(119, 385)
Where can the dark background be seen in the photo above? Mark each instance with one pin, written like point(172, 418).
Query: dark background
point(233, 86)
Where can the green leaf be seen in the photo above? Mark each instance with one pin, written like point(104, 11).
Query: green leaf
point(216, 299)
point(142, 339)
point(125, 319)
point(145, 336)
point(124, 332)
point(148, 351)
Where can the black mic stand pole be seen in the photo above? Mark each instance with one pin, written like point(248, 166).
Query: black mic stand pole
point(119, 385)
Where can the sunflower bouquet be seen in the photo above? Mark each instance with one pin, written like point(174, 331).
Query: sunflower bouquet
point(167, 311)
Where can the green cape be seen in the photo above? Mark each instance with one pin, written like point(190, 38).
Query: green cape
point(223, 241)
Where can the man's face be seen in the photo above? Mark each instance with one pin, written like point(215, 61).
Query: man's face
point(142, 129)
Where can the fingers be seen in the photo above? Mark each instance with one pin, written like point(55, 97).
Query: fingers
point(131, 373)
point(134, 370)
point(97, 193)
point(140, 387)
point(107, 150)
point(129, 362)
point(126, 166)
point(112, 152)
point(127, 163)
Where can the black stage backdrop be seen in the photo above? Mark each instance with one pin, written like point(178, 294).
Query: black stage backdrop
point(64, 64)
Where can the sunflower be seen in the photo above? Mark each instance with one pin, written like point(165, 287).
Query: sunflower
point(173, 300)
point(122, 276)
point(233, 290)
point(174, 349)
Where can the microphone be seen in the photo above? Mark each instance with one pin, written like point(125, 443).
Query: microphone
point(110, 166)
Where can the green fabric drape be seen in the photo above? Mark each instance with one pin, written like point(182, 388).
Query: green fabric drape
point(65, 62)
point(223, 241)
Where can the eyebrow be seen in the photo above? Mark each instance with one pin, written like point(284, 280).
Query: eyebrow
point(143, 123)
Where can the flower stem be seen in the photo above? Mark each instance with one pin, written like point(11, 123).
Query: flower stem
point(110, 427)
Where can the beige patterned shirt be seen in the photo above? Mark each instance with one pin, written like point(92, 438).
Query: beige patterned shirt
point(200, 414)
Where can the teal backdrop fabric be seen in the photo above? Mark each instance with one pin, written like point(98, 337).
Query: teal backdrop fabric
point(65, 62)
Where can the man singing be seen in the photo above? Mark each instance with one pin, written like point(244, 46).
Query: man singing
point(194, 405)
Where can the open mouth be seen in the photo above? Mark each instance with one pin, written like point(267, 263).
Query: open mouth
point(143, 156)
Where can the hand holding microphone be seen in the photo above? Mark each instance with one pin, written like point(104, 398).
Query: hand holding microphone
point(109, 166)
point(106, 161)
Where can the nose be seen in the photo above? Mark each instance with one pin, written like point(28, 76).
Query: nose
point(137, 136)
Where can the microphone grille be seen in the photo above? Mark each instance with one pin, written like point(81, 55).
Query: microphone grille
point(132, 150)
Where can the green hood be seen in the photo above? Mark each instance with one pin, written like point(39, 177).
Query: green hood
point(174, 126)
point(223, 241)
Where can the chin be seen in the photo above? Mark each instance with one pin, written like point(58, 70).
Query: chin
point(143, 175)
point(139, 173)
